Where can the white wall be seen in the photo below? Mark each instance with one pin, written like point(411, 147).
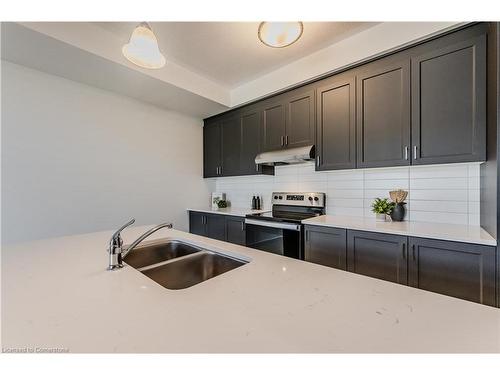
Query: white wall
point(78, 159)
point(438, 193)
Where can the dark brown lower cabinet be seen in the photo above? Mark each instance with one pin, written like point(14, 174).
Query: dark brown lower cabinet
point(456, 269)
point(197, 223)
point(235, 230)
point(216, 227)
point(208, 225)
point(383, 256)
point(219, 227)
point(326, 246)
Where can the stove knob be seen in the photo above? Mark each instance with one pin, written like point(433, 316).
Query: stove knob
point(316, 199)
point(275, 197)
point(310, 199)
point(281, 197)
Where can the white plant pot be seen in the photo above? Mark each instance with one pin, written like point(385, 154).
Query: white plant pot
point(381, 217)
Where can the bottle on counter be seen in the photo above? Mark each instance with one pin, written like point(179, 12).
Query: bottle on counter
point(257, 206)
point(254, 203)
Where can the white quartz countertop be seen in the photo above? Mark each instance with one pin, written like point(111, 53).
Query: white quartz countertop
point(56, 293)
point(232, 211)
point(450, 232)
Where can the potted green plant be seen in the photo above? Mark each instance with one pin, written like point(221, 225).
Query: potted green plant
point(221, 203)
point(382, 207)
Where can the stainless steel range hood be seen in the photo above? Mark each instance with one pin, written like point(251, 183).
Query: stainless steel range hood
point(287, 156)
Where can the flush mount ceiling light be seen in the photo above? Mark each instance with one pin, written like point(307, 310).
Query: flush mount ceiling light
point(142, 48)
point(280, 34)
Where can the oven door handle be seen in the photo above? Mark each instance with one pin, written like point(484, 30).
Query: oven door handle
point(273, 224)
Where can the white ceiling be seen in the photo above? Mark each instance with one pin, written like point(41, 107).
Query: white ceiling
point(212, 66)
point(230, 53)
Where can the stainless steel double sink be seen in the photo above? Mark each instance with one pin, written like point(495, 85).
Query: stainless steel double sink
point(175, 264)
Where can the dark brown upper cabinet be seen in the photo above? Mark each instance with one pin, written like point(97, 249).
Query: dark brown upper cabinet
point(231, 142)
point(273, 121)
point(422, 105)
point(449, 101)
point(336, 123)
point(383, 113)
point(300, 113)
point(251, 135)
point(231, 146)
point(212, 149)
point(288, 120)
point(383, 256)
point(460, 270)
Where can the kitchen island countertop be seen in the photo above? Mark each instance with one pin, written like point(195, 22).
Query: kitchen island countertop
point(58, 294)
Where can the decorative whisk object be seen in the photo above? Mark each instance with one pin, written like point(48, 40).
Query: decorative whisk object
point(398, 196)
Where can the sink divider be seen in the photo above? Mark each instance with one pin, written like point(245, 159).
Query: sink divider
point(154, 265)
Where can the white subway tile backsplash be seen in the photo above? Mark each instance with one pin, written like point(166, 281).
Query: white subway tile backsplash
point(447, 193)
point(345, 193)
point(439, 171)
point(386, 173)
point(439, 206)
point(345, 202)
point(392, 184)
point(345, 184)
point(474, 219)
point(439, 217)
point(440, 195)
point(439, 183)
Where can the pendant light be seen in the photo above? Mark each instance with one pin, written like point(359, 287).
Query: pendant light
point(142, 48)
point(280, 34)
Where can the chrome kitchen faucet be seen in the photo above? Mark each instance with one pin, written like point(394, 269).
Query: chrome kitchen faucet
point(116, 251)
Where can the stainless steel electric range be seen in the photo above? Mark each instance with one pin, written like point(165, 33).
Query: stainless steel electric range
point(280, 231)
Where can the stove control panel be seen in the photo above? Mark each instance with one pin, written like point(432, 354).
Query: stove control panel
point(299, 199)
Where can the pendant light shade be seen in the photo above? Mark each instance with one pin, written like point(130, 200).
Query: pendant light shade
point(280, 34)
point(142, 48)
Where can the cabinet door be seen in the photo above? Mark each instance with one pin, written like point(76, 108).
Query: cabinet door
point(216, 227)
point(449, 102)
point(235, 230)
point(211, 149)
point(456, 269)
point(383, 117)
point(251, 136)
point(300, 119)
point(231, 146)
point(197, 223)
point(336, 126)
point(383, 256)
point(273, 122)
point(326, 246)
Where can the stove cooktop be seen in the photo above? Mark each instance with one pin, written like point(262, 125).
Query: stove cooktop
point(292, 217)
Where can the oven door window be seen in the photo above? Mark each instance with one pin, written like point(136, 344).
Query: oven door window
point(273, 240)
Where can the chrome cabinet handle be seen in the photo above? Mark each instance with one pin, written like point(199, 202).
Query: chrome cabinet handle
point(404, 251)
point(286, 140)
point(242, 226)
point(413, 251)
point(282, 141)
point(257, 167)
point(406, 152)
point(415, 152)
point(317, 161)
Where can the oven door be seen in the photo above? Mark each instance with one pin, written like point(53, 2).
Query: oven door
point(274, 237)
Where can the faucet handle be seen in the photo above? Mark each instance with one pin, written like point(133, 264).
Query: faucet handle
point(129, 223)
point(116, 239)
